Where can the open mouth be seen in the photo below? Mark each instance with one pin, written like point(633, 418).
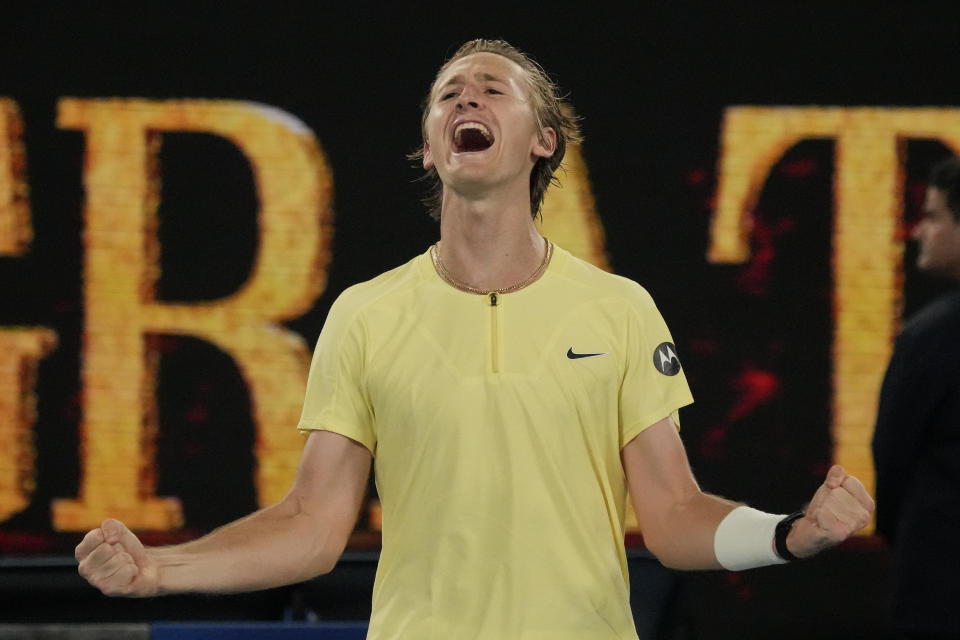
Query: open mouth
point(471, 136)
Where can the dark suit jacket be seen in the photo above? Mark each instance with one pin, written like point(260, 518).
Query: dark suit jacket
point(916, 448)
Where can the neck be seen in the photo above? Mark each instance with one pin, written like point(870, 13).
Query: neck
point(489, 244)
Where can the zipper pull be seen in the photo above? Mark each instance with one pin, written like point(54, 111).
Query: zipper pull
point(493, 299)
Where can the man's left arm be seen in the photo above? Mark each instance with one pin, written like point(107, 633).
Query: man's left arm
point(680, 522)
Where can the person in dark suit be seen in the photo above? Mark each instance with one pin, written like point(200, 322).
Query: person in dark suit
point(916, 444)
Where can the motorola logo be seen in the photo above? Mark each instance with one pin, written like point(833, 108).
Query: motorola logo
point(665, 359)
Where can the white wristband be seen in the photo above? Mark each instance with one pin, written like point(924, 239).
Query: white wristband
point(744, 539)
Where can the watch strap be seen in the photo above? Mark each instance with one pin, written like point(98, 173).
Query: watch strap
point(780, 534)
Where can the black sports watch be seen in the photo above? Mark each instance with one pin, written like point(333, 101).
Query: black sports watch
point(780, 536)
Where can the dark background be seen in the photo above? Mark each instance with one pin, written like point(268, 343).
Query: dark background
point(651, 83)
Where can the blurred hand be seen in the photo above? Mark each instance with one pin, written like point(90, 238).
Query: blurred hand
point(840, 508)
point(114, 560)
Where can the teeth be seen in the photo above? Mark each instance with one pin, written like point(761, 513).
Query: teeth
point(476, 126)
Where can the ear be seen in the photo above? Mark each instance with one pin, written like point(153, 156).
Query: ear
point(427, 158)
point(546, 143)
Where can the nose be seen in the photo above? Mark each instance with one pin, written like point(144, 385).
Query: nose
point(917, 230)
point(468, 98)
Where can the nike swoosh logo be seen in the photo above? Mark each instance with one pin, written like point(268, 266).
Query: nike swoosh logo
point(574, 355)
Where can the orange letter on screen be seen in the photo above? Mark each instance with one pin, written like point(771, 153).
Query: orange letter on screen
point(569, 215)
point(15, 231)
point(867, 254)
point(294, 189)
point(20, 348)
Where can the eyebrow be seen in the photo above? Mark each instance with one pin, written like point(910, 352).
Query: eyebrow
point(480, 75)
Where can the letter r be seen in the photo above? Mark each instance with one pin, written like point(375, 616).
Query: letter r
point(294, 188)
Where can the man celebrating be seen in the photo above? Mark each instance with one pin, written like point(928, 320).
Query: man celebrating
point(510, 394)
point(916, 445)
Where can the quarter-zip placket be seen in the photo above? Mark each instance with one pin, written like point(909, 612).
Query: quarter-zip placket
point(495, 332)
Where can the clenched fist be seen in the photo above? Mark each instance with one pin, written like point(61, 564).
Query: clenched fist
point(114, 560)
point(840, 508)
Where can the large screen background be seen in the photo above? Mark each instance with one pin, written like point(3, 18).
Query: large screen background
point(182, 197)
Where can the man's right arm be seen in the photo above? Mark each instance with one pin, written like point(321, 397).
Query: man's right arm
point(300, 537)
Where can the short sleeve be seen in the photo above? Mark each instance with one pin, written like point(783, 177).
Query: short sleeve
point(336, 399)
point(654, 385)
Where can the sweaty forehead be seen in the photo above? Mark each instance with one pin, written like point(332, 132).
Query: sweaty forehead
point(483, 65)
point(936, 200)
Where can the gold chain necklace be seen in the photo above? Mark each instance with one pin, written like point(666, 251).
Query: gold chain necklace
point(453, 282)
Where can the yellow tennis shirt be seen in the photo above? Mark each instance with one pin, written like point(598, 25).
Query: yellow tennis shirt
point(496, 428)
